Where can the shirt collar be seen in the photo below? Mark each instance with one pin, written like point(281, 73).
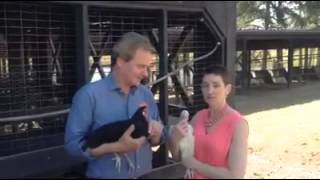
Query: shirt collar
point(113, 85)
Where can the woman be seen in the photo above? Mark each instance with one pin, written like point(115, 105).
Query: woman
point(220, 132)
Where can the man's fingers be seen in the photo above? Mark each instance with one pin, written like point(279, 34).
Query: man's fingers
point(143, 104)
point(155, 127)
point(145, 114)
point(150, 127)
point(130, 130)
point(145, 110)
point(141, 140)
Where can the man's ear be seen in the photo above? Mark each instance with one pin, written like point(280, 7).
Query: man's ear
point(120, 61)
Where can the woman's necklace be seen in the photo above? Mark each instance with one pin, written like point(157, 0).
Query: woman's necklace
point(211, 121)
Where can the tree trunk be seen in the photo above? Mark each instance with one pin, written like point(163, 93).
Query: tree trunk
point(267, 19)
point(301, 57)
point(264, 59)
point(306, 59)
point(318, 57)
point(267, 23)
point(310, 57)
point(279, 63)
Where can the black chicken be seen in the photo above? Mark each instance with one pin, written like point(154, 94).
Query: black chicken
point(112, 132)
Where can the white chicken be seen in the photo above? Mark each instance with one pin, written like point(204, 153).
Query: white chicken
point(186, 144)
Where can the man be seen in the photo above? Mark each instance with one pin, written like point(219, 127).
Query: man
point(111, 99)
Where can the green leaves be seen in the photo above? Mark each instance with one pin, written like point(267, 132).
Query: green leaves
point(278, 14)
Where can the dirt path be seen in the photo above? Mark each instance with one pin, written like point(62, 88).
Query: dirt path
point(284, 140)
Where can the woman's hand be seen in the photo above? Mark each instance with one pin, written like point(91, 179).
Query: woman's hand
point(179, 131)
point(189, 162)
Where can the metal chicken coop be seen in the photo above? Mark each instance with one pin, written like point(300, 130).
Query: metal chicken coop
point(50, 49)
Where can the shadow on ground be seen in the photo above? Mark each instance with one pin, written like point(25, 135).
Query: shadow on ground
point(277, 96)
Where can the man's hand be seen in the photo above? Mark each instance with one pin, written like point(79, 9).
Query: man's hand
point(127, 143)
point(155, 127)
point(124, 145)
point(155, 131)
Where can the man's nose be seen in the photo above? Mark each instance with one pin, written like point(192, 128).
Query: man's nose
point(145, 73)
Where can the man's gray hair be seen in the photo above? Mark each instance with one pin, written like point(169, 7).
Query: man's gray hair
point(127, 46)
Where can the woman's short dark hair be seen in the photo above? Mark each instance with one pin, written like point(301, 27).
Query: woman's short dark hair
point(220, 71)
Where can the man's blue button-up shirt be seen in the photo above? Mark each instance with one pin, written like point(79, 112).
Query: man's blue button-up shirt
point(100, 103)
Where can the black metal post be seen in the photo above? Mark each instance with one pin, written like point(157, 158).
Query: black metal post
point(163, 63)
point(82, 34)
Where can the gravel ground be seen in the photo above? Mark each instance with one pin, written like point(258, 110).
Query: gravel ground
point(284, 139)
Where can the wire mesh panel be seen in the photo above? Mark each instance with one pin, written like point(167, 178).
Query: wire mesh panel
point(107, 25)
point(37, 72)
point(189, 38)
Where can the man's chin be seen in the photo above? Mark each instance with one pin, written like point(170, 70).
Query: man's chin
point(136, 83)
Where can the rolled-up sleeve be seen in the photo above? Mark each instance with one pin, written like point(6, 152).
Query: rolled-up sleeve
point(78, 124)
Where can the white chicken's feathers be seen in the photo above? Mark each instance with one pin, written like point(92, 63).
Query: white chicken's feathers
point(186, 144)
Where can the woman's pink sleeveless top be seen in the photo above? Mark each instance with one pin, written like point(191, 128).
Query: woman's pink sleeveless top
point(213, 148)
